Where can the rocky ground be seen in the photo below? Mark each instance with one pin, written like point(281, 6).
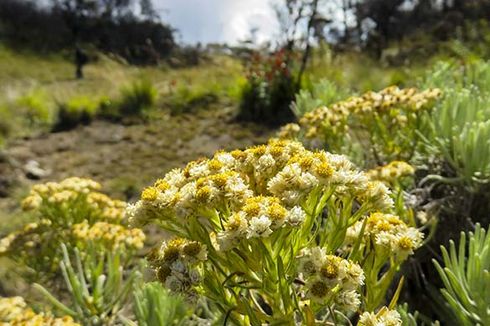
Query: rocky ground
point(123, 157)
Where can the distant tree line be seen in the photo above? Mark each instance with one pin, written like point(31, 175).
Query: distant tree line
point(373, 24)
point(382, 21)
point(131, 29)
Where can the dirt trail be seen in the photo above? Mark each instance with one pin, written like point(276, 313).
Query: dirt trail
point(125, 158)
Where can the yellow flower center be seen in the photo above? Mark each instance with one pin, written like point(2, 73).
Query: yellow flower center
point(329, 270)
point(252, 209)
point(203, 194)
point(149, 194)
point(276, 212)
point(215, 165)
point(162, 185)
point(405, 243)
point(324, 170)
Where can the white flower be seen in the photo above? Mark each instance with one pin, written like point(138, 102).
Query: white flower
point(368, 319)
point(385, 238)
point(318, 256)
point(259, 227)
point(296, 216)
point(339, 162)
point(354, 276)
point(422, 217)
point(226, 159)
point(307, 181)
point(384, 317)
point(166, 198)
point(265, 163)
point(353, 233)
point(356, 179)
point(307, 267)
point(236, 229)
point(348, 300)
point(291, 197)
point(186, 199)
point(391, 318)
point(319, 290)
point(175, 178)
point(199, 170)
point(408, 240)
point(239, 223)
point(132, 212)
point(236, 185)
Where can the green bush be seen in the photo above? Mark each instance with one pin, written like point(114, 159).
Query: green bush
point(34, 106)
point(322, 93)
point(186, 98)
point(466, 276)
point(458, 130)
point(270, 89)
point(24, 114)
point(78, 110)
point(99, 286)
point(137, 98)
point(156, 306)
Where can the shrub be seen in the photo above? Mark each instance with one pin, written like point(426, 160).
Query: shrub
point(34, 106)
point(72, 213)
point(186, 98)
point(458, 130)
point(270, 89)
point(78, 110)
point(137, 99)
point(154, 305)
point(322, 93)
point(373, 129)
point(259, 231)
point(466, 276)
point(99, 286)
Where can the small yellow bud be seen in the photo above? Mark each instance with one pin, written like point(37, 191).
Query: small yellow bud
point(149, 194)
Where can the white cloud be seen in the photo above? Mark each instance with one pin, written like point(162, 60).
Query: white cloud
point(219, 20)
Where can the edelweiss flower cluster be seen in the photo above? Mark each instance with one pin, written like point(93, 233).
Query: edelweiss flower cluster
point(258, 210)
point(384, 317)
point(176, 264)
point(391, 172)
point(111, 236)
point(71, 194)
point(28, 237)
point(329, 124)
point(386, 231)
point(71, 212)
point(219, 188)
point(14, 312)
point(259, 217)
point(331, 279)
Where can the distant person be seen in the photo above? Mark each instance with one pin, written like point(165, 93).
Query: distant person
point(81, 59)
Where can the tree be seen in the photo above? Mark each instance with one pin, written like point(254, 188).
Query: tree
point(300, 23)
point(148, 10)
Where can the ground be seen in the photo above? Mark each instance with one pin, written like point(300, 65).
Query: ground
point(125, 158)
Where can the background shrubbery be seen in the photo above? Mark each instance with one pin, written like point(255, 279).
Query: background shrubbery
point(271, 85)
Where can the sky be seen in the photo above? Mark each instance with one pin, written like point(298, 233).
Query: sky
point(218, 21)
